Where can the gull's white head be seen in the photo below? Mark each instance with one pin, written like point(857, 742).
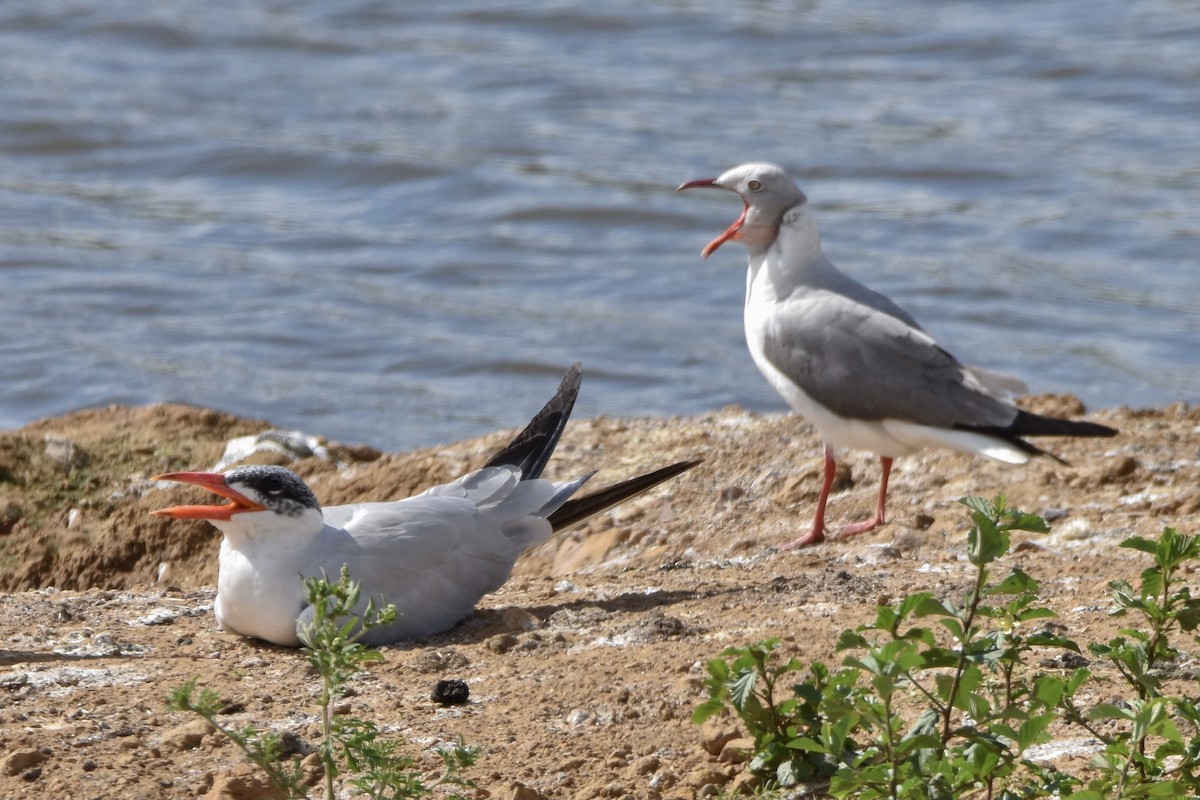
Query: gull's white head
point(263, 501)
point(767, 194)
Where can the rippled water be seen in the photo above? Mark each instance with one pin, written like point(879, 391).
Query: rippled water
point(398, 223)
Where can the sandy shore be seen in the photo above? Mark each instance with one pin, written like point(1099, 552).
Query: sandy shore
point(585, 667)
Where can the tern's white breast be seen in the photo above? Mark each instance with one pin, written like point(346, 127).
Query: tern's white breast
point(259, 592)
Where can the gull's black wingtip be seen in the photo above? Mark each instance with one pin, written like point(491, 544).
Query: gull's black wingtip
point(1027, 423)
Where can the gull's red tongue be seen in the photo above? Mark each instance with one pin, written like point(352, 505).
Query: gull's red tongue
point(731, 234)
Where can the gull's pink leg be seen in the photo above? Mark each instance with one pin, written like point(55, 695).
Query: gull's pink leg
point(817, 534)
point(879, 518)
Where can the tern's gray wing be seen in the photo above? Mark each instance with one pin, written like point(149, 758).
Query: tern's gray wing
point(863, 363)
point(489, 511)
point(435, 555)
point(432, 557)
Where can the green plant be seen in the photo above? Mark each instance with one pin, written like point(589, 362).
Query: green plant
point(950, 710)
point(350, 747)
point(261, 747)
point(750, 683)
point(1142, 655)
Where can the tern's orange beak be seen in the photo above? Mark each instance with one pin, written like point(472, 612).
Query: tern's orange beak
point(215, 483)
point(733, 231)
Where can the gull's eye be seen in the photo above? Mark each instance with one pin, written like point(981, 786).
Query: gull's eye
point(754, 185)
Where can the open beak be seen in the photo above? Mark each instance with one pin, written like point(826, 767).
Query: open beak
point(733, 231)
point(215, 483)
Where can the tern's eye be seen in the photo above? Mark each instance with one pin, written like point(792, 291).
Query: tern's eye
point(272, 487)
point(754, 185)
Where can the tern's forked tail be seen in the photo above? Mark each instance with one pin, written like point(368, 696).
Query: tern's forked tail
point(576, 511)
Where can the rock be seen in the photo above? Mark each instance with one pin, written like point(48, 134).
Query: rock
point(595, 790)
point(519, 791)
point(573, 556)
point(10, 515)
point(737, 750)
point(185, 737)
point(880, 553)
point(438, 661)
point(1115, 470)
point(313, 767)
point(715, 733)
point(1053, 514)
point(18, 761)
point(578, 717)
point(645, 765)
point(745, 783)
point(272, 447)
point(292, 744)
point(657, 626)
point(501, 643)
point(13, 680)
point(732, 493)
point(63, 452)
point(244, 787)
point(518, 619)
point(708, 776)
point(453, 692)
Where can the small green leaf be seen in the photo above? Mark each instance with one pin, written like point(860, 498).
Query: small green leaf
point(851, 640)
point(1105, 711)
point(707, 709)
point(718, 669)
point(954, 625)
point(785, 774)
point(1142, 544)
point(1165, 789)
point(741, 688)
point(981, 505)
point(1049, 690)
point(1077, 679)
point(1031, 523)
point(986, 542)
point(1188, 614)
point(1036, 613)
point(807, 744)
point(1033, 731)
point(1017, 582)
point(926, 605)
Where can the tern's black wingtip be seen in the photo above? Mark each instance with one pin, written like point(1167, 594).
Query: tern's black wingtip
point(532, 447)
point(577, 510)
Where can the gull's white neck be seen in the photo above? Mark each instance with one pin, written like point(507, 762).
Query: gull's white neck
point(792, 259)
point(791, 265)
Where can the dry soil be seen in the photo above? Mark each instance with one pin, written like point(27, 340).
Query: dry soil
point(585, 668)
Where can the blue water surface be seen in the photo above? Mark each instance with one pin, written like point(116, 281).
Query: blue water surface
point(398, 223)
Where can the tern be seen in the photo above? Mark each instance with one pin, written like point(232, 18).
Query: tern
point(433, 555)
point(859, 368)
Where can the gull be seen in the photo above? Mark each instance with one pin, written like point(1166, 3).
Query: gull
point(858, 367)
point(433, 555)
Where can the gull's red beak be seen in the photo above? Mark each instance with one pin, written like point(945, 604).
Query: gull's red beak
point(733, 231)
point(215, 483)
